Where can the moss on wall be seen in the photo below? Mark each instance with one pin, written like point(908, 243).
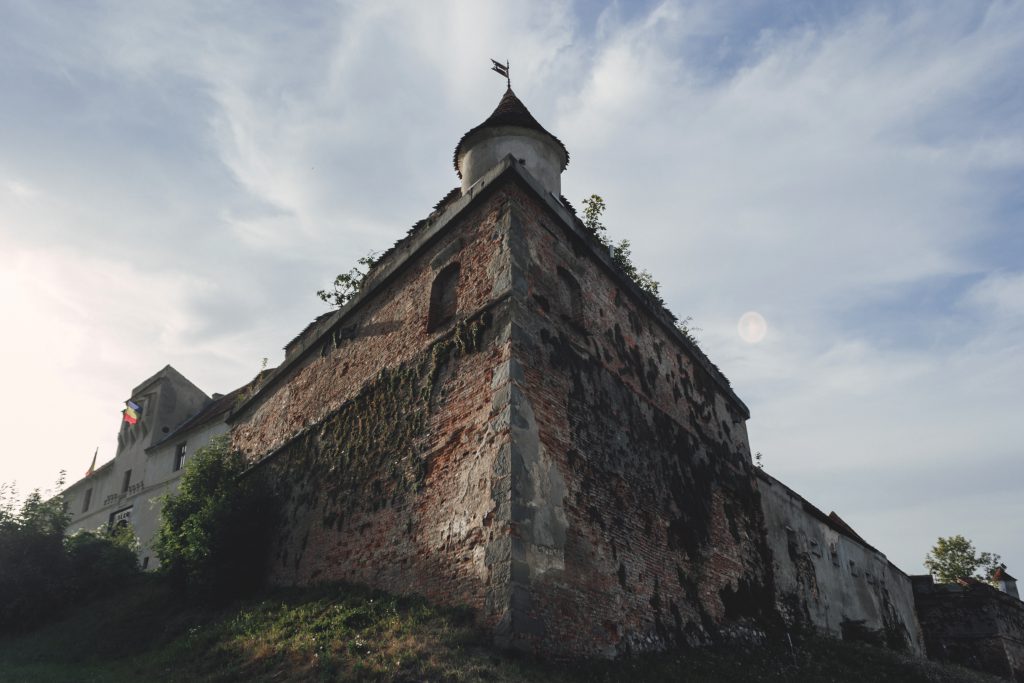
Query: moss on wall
point(369, 453)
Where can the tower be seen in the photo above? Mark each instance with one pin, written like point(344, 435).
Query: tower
point(501, 418)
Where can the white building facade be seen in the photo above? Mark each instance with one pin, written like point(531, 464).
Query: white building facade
point(176, 419)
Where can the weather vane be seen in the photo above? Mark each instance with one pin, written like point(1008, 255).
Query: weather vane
point(502, 70)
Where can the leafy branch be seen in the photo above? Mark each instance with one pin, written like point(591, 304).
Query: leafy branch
point(347, 285)
point(621, 252)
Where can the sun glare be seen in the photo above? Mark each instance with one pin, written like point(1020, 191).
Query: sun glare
point(752, 327)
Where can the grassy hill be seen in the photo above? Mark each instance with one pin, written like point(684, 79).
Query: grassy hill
point(341, 633)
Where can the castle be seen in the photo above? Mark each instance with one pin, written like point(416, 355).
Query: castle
point(501, 418)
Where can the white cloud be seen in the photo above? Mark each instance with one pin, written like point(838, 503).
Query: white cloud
point(23, 190)
point(999, 294)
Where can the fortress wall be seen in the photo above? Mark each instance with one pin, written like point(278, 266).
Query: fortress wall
point(974, 625)
point(635, 518)
point(387, 329)
point(826, 579)
point(386, 448)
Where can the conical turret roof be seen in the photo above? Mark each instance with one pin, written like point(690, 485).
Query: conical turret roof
point(510, 112)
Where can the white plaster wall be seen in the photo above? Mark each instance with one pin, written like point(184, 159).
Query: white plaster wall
point(540, 155)
point(170, 399)
point(97, 515)
point(832, 576)
point(162, 479)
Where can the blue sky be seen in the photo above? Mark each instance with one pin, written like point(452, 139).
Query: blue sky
point(176, 181)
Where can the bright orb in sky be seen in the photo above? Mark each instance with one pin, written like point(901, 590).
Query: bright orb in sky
point(752, 327)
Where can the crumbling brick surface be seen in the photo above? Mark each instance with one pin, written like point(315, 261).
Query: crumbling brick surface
point(635, 518)
point(384, 445)
point(388, 329)
point(576, 474)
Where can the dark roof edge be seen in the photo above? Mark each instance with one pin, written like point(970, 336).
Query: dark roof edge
point(201, 418)
point(396, 258)
point(107, 465)
point(843, 529)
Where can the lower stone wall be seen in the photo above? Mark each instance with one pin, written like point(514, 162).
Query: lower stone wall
point(974, 625)
point(827, 579)
point(400, 488)
point(635, 533)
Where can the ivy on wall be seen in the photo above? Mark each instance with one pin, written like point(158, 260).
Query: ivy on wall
point(368, 453)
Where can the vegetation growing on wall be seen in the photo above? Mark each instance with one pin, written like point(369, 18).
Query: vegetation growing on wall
point(621, 252)
point(342, 633)
point(622, 255)
point(367, 454)
point(347, 285)
point(642, 465)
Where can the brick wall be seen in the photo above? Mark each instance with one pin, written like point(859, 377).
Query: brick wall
point(388, 327)
point(581, 479)
point(635, 519)
point(383, 442)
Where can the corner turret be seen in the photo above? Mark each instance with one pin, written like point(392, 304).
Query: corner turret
point(511, 129)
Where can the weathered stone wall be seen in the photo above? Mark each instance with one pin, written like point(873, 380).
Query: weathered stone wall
point(828, 580)
point(974, 625)
point(635, 518)
point(384, 444)
point(387, 329)
point(562, 459)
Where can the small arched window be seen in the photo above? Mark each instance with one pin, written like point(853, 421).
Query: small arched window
point(570, 297)
point(444, 297)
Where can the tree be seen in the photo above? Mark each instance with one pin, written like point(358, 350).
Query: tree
point(347, 285)
point(35, 574)
point(102, 560)
point(42, 571)
point(213, 534)
point(955, 558)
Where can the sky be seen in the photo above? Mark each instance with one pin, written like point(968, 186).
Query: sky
point(177, 179)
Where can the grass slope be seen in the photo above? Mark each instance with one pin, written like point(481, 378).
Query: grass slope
point(341, 633)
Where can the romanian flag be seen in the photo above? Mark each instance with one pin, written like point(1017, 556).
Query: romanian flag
point(131, 412)
point(92, 467)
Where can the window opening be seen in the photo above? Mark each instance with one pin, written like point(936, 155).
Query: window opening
point(444, 297)
point(180, 455)
point(570, 296)
point(87, 500)
point(127, 480)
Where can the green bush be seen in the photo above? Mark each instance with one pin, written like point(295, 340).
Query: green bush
point(35, 574)
point(102, 560)
point(42, 572)
point(213, 535)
